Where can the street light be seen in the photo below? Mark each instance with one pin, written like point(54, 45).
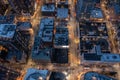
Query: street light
point(64, 72)
point(40, 78)
point(77, 40)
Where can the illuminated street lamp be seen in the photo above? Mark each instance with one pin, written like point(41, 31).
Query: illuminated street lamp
point(77, 40)
point(107, 16)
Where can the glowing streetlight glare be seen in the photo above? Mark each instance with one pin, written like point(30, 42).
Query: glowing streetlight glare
point(65, 73)
point(67, 77)
point(77, 40)
point(35, 6)
point(108, 17)
point(103, 5)
point(40, 78)
point(65, 46)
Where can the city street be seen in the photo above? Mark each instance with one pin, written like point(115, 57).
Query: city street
point(74, 38)
point(110, 26)
point(111, 33)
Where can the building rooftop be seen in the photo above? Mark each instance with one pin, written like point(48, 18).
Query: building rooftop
point(88, 45)
point(116, 9)
point(48, 8)
point(63, 2)
point(57, 76)
point(46, 29)
point(60, 55)
point(118, 31)
point(96, 76)
point(34, 74)
point(92, 57)
point(47, 21)
point(87, 9)
point(96, 13)
point(7, 30)
point(43, 40)
point(24, 25)
point(44, 54)
point(97, 55)
point(118, 35)
point(61, 37)
point(11, 56)
point(94, 29)
point(84, 9)
point(47, 35)
point(110, 57)
point(16, 55)
point(9, 19)
point(62, 13)
point(97, 1)
point(11, 74)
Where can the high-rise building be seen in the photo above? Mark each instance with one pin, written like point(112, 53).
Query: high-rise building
point(13, 44)
point(12, 38)
point(22, 6)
